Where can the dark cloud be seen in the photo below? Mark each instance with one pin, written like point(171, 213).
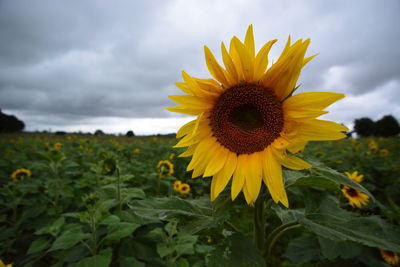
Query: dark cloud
point(73, 61)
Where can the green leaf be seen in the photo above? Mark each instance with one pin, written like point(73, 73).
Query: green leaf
point(332, 222)
point(185, 243)
point(53, 228)
point(38, 245)
point(133, 193)
point(103, 259)
point(164, 250)
point(109, 219)
point(131, 262)
point(120, 230)
point(309, 181)
point(320, 170)
point(302, 249)
point(69, 239)
point(198, 212)
point(331, 249)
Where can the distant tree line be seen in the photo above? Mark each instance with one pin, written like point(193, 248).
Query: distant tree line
point(385, 127)
point(10, 123)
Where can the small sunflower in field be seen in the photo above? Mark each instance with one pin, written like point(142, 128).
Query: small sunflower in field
point(57, 146)
point(390, 257)
point(20, 174)
point(137, 150)
point(177, 185)
point(172, 156)
point(358, 178)
point(184, 189)
point(355, 197)
point(383, 152)
point(2, 264)
point(165, 168)
point(373, 145)
point(248, 122)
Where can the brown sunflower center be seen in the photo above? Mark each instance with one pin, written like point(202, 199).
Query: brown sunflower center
point(247, 118)
point(352, 192)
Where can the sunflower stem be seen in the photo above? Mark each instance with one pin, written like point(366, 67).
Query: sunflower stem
point(276, 234)
point(259, 222)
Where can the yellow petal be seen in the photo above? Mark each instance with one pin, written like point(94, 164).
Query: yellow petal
point(274, 176)
point(215, 69)
point(249, 42)
point(239, 175)
point(319, 130)
point(205, 146)
point(283, 75)
point(229, 65)
point(217, 161)
point(186, 129)
point(290, 162)
point(247, 195)
point(245, 60)
point(184, 88)
point(222, 178)
point(187, 110)
point(254, 177)
point(236, 60)
point(311, 101)
point(191, 101)
point(261, 61)
point(189, 152)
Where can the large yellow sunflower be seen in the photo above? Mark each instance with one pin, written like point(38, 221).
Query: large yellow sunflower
point(248, 122)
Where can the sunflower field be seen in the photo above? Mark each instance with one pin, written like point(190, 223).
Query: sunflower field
point(119, 201)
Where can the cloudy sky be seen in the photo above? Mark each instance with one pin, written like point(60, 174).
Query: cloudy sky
point(92, 64)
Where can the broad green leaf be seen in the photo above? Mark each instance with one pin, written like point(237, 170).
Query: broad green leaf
point(38, 245)
point(185, 243)
point(109, 219)
point(302, 249)
point(69, 239)
point(53, 228)
point(331, 249)
point(164, 250)
point(131, 262)
point(103, 259)
point(133, 193)
point(120, 230)
point(199, 212)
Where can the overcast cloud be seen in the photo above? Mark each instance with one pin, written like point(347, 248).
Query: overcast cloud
point(86, 65)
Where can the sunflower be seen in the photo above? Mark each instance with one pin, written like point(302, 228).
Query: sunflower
point(177, 185)
point(2, 264)
point(57, 146)
point(390, 257)
point(248, 122)
point(358, 178)
point(20, 174)
point(165, 168)
point(355, 197)
point(383, 152)
point(184, 189)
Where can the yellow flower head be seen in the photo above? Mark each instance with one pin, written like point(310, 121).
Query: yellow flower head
point(355, 197)
point(57, 146)
point(165, 168)
point(390, 257)
point(383, 152)
point(2, 264)
point(20, 174)
point(172, 156)
point(137, 150)
point(373, 145)
point(184, 189)
point(248, 118)
point(177, 185)
point(358, 178)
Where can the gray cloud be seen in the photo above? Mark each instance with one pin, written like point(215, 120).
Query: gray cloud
point(79, 60)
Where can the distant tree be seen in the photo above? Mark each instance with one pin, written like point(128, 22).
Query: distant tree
point(130, 133)
point(10, 123)
point(98, 132)
point(387, 126)
point(365, 127)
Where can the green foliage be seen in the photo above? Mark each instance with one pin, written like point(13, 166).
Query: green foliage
point(101, 202)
